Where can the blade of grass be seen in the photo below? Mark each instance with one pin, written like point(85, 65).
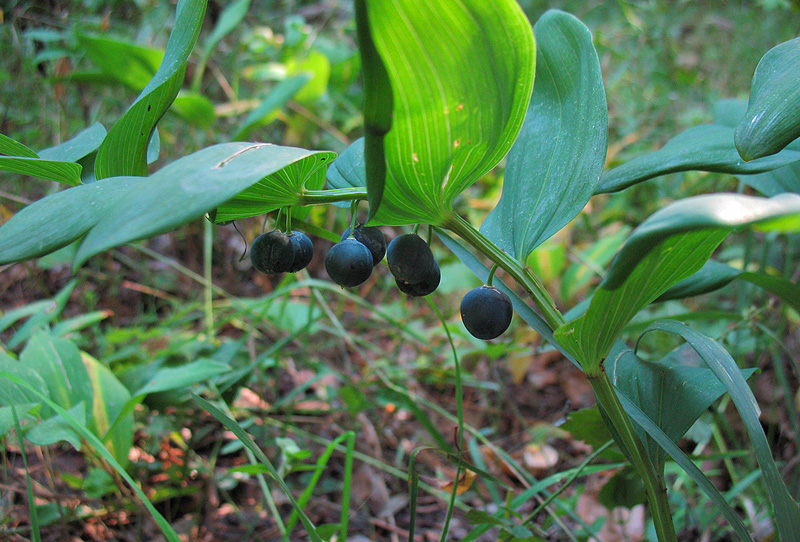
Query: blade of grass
point(237, 430)
point(787, 511)
point(322, 462)
point(167, 530)
point(35, 533)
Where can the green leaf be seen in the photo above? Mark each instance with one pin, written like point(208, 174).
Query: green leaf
point(124, 150)
point(194, 108)
point(770, 183)
point(93, 441)
point(58, 362)
point(787, 511)
point(772, 120)
point(110, 396)
point(687, 465)
point(122, 209)
point(721, 212)
point(588, 426)
point(127, 64)
point(171, 378)
point(20, 159)
point(57, 429)
point(378, 104)
point(24, 411)
point(670, 393)
point(708, 147)
point(459, 99)
point(282, 188)
point(669, 246)
point(45, 313)
point(248, 442)
point(80, 146)
point(12, 394)
point(714, 275)
point(11, 147)
point(276, 99)
point(348, 170)
point(624, 489)
point(555, 163)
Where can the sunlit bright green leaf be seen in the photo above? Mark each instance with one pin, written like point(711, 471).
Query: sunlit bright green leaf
point(10, 147)
point(772, 120)
point(276, 99)
point(124, 151)
point(118, 210)
point(461, 76)
point(669, 246)
point(555, 163)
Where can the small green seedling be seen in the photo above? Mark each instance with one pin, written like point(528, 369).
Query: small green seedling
point(486, 312)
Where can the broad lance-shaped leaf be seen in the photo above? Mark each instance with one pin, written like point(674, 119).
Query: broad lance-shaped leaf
point(670, 393)
point(772, 120)
point(124, 151)
point(461, 76)
point(348, 170)
point(55, 163)
point(556, 162)
point(58, 362)
point(123, 209)
point(666, 248)
point(769, 183)
point(107, 408)
point(787, 511)
point(714, 275)
point(708, 147)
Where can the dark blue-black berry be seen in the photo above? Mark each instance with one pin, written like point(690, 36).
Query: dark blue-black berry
point(303, 250)
point(425, 287)
point(486, 312)
point(272, 253)
point(410, 258)
point(371, 237)
point(349, 263)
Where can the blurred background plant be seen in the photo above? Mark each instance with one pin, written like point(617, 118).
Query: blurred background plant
point(301, 362)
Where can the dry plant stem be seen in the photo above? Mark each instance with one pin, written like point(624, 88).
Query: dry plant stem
point(654, 485)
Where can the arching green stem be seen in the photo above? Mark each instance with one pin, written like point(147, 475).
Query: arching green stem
point(353, 215)
point(492, 271)
point(532, 285)
point(316, 197)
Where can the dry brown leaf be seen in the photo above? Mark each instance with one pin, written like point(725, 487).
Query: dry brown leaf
point(540, 457)
point(464, 482)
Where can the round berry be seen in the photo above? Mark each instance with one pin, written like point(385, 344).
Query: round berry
point(349, 263)
point(420, 289)
point(371, 237)
point(486, 312)
point(272, 253)
point(303, 250)
point(410, 258)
